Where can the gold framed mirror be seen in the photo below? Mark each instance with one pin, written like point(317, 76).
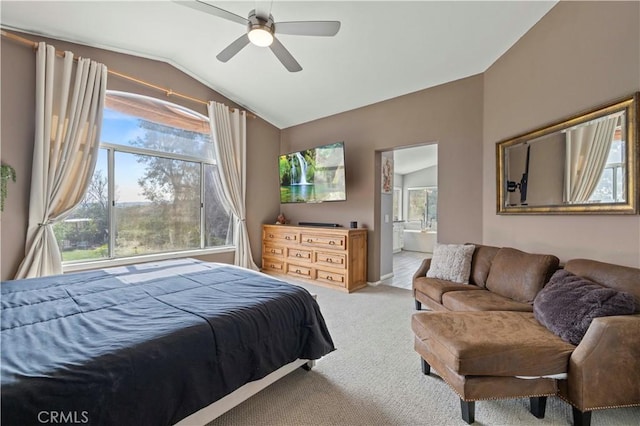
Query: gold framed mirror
point(586, 164)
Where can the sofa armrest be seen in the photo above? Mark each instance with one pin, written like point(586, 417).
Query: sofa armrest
point(604, 369)
point(422, 270)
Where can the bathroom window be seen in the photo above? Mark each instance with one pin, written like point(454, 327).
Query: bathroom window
point(423, 205)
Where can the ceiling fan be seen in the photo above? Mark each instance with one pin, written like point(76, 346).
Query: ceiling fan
point(262, 30)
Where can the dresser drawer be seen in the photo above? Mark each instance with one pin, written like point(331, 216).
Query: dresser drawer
point(272, 250)
point(335, 260)
point(297, 254)
point(337, 242)
point(280, 236)
point(331, 278)
point(297, 270)
point(272, 265)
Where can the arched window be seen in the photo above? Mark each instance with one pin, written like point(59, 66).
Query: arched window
point(155, 188)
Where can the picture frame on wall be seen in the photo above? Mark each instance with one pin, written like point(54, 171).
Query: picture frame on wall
point(387, 175)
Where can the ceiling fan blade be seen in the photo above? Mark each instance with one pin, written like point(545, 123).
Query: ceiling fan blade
point(213, 10)
point(231, 50)
point(284, 56)
point(308, 28)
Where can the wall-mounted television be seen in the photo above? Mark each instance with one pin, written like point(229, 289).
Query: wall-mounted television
point(313, 175)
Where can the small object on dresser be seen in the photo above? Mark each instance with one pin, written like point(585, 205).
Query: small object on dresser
point(281, 219)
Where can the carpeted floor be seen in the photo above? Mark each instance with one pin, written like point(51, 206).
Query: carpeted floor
point(374, 377)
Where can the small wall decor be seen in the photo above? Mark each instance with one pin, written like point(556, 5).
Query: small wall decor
point(387, 175)
point(281, 219)
point(6, 172)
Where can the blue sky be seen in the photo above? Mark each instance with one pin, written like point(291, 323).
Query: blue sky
point(120, 129)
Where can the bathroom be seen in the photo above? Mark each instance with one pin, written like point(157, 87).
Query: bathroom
point(415, 199)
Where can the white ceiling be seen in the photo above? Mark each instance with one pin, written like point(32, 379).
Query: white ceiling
point(384, 49)
point(412, 159)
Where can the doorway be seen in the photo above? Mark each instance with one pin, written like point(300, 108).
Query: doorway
point(412, 207)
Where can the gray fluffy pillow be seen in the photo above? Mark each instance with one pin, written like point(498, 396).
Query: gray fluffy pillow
point(568, 304)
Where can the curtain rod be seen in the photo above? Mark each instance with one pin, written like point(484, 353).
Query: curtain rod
point(168, 92)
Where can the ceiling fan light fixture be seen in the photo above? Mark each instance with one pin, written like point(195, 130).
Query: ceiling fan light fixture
point(260, 36)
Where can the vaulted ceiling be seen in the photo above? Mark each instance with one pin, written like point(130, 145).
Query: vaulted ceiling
point(384, 49)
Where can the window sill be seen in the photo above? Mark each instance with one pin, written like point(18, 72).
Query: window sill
point(107, 263)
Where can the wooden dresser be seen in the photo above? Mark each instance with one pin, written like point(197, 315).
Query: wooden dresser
point(331, 257)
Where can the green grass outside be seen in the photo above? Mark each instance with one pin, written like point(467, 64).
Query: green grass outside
point(88, 254)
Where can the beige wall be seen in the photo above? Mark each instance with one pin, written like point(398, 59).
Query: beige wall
point(450, 114)
point(580, 55)
point(571, 60)
point(18, 93)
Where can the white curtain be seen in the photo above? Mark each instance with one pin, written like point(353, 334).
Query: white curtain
point(229, 133)
point(68, 117)
point(587, 150)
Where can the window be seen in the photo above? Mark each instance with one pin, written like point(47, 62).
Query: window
point(155, 188)
point(610, 188)
point(397, 203)
point(423, 205)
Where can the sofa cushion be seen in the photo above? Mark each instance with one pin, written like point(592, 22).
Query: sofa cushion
point(481, 264)
point(568, 304)
point(483, 300)
point(519, 275)
point(434, 288)
point(492, 343)
point(451, 262)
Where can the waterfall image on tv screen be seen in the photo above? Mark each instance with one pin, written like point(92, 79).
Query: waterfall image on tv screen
point(314, 175)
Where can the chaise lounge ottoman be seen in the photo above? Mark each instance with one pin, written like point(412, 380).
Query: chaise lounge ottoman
point(491, 355)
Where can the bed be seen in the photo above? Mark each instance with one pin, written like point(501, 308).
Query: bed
point(153, 343)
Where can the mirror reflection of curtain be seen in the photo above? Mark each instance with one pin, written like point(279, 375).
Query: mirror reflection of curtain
point(586, 156)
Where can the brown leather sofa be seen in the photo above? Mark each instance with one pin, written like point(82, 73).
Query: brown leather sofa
point(484, 354)
point(501, 279)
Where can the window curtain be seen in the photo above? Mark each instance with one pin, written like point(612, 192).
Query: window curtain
point(587, 150)
point(228, 130)
point(68, 117)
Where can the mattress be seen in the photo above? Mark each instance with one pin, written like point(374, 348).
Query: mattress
point(148, 343)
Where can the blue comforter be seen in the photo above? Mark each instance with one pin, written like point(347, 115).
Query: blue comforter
point(146, 344)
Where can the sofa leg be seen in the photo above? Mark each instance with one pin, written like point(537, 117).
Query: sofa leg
point(418, 305)
point(538, 406)
point(468, 411)
point(426, 368)
point(581, 418)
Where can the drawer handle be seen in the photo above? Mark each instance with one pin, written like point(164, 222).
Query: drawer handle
point(309, 240)
point(298, 271)
point(330, 260)
point(332, 243)
point(270, 235)
point(273, 250)
point(298, 255)
point(330, 278)
point(273, 266)
point(287, 237)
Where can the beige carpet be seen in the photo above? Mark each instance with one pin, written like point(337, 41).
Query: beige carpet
point(374, 377)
